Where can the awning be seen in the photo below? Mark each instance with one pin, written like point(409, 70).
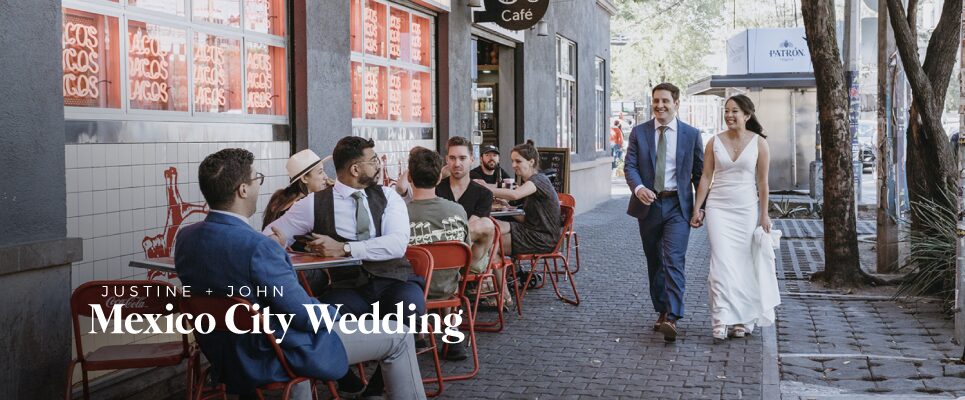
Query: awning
point(716, 84)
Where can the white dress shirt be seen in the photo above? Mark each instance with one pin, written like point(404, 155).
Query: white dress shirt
point(670, 170)
point(300, 219)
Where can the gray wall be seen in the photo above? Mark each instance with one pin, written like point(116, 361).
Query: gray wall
point(34, 255)
point(592, 38)
point(32, 189)
point(454, 69)
point(323, 85)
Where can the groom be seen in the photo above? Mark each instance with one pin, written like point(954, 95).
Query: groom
point(663, 166)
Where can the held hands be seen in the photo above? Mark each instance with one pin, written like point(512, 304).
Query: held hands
point(698, 219)
point(646, 196)
point(402, 185)
point(325, 246)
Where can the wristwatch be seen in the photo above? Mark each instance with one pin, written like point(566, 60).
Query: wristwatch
point(348, 249)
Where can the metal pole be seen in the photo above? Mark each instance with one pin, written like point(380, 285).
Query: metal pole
point(852, 15)
point(887, 213)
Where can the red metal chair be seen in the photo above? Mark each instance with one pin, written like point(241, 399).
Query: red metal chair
point(566, 213)
point(452, 255)
point(567, 199)
point(421, 261)
point(149, 297)
point(497, 268)
point(218, 306)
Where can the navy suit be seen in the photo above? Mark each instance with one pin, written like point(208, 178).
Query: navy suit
point(225, 251)
point(665, 223)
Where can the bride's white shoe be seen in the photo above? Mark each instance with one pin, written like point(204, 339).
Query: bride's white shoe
point(720, 332)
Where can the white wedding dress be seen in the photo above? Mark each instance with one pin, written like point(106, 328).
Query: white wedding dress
point(732, 214)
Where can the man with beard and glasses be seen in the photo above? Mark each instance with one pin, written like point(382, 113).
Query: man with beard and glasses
point(489, 169)
point(358, 218)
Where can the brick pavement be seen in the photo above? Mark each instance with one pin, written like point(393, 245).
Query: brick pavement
point(605, 348)
point(835, 345)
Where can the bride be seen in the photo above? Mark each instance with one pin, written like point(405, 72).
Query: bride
point(735, 176)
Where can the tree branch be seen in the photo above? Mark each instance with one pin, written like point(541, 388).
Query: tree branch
point(913, 19)
point(940, 54)
point(905, 41)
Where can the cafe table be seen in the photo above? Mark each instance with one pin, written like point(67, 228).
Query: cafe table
point(506, 212)
point(301, 262)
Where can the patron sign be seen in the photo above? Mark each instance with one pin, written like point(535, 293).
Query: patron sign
point(760, 51)
point(513, 14)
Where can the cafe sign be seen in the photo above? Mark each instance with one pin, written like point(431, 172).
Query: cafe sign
point(513, 14)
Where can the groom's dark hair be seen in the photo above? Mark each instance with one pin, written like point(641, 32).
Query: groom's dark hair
point(674, 91)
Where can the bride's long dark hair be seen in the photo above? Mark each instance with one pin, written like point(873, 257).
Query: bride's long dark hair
point(747, 106)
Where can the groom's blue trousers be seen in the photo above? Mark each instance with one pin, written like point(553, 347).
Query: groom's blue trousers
point(665, 233)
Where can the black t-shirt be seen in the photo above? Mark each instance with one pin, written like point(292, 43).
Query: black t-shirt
point(476, 200)
point(497, 176)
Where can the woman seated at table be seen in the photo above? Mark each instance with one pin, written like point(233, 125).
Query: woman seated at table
point(305, 175)
point(538, 230)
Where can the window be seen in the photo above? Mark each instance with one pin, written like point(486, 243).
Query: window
point(187, 60)
point(392, 75)
point(566, 94)
point(601, 120)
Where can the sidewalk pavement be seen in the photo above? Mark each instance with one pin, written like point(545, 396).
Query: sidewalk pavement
point(837, 345)
point(605, 347)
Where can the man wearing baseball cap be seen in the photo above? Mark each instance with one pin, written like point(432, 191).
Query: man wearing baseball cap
point(489, 169)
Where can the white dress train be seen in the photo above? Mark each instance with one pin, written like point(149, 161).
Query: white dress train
point(732, 214)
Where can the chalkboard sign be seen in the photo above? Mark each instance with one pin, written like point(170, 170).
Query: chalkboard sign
point(554, 162)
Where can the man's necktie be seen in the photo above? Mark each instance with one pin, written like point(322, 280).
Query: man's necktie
point(658, 184)
point(362, 223)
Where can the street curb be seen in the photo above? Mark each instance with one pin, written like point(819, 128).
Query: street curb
point(771, 376)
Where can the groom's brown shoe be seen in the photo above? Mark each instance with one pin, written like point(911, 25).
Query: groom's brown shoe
point(660, 320)
point(669, 331)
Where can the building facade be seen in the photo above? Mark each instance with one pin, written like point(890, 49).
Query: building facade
point(118, 101)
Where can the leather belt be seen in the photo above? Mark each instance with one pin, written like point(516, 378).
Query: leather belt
point(667, 193)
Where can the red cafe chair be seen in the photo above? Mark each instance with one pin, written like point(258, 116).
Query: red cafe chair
point(153, 298)
point(567, 199)
point(421, 261)
point(218, 306)
point(496, 268)
point(452, 255)
point(542, 260)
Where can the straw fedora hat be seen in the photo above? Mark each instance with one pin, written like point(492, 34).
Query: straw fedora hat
point(300, 164)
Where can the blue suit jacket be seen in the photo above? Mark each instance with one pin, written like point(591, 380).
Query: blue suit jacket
point(640, 165)
point(224, 251)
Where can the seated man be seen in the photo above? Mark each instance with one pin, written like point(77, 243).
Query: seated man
point(489, 169)
point(434, 219)
point(224, 251)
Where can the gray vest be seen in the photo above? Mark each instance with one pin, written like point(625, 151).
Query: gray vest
point(398, 268)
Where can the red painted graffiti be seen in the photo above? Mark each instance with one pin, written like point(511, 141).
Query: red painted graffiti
point(161, 245)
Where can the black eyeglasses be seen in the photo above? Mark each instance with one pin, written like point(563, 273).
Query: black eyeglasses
point(258, 177)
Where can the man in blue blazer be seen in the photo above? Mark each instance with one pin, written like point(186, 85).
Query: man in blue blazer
point(224, 251)
point(663, 166)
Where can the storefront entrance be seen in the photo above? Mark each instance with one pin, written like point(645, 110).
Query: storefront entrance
point(493, 94)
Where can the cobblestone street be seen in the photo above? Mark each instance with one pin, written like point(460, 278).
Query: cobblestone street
point(605, 347)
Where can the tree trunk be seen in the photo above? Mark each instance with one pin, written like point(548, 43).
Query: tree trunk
point(931, 175)
point(841, 265)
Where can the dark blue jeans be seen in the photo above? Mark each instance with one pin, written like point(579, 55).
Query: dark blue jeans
point(665, 233)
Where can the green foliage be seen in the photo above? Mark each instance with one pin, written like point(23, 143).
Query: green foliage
point(931, 261)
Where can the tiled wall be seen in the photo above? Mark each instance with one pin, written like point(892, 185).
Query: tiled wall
point(117, 197)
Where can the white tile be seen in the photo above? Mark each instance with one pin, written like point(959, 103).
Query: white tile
point(84, 155)
point(100, 202)
point(113, 178)
point(114, 248)
point(113, 200)
point(70, 156)
point(113, 223)
point(137, 219)
point(99, 156)
point(126, 154)
point(126, 218)
point(99, 249)
point(70, 179)
point(72, 227)
point(84, 179)
point(184, 152)
point(171, 154)
point(72, 205)
point(85, 203)
point(194, 152)
point(100, 270)
point(99, 178)
point(100, 225)
point(144, 153)
point(124, 176)
point(88, 249)
point(85, 227)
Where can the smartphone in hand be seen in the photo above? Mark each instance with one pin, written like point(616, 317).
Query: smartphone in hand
point(304, 239)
